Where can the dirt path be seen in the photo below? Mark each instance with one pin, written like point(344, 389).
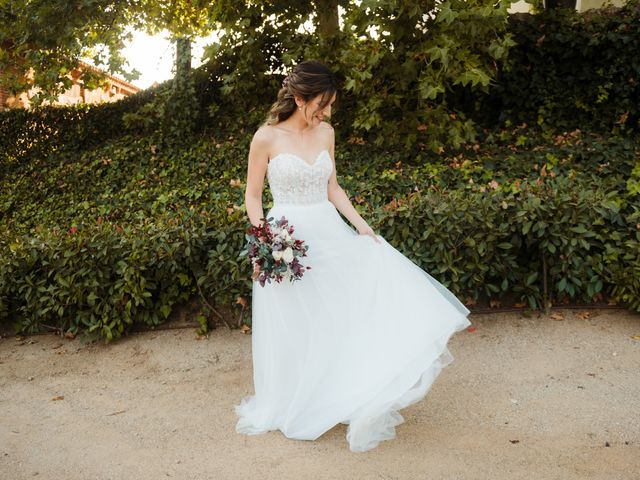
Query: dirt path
point(525, 398)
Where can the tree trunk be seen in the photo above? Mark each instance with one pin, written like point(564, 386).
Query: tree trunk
point(327, 11)
point(183, 59)
point(181, 109)
point(548, 4)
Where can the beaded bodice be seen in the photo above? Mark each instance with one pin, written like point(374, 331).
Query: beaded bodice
point(293, 180)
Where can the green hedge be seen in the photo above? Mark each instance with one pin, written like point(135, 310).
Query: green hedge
point(101, 279)
point(566, 234)
point(99, 241)
point(26, 135)
point(48, 131)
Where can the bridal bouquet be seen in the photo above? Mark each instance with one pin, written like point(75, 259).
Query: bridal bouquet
point(272, 247)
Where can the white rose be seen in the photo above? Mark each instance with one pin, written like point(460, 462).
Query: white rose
point(288, 255)
point(277, 254)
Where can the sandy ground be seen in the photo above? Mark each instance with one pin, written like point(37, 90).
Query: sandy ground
point(525, 398)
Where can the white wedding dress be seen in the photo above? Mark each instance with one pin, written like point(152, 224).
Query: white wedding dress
point(360, 336)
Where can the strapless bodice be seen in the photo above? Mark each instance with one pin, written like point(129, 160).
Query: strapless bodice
point(293, 180)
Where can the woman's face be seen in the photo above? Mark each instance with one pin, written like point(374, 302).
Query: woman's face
point(313, 105)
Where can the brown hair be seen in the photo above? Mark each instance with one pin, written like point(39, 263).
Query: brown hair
point(307, 80)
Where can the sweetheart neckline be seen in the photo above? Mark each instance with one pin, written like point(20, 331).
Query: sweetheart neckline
point(310, 165)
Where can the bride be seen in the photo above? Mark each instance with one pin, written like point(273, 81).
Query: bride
point(364, 333)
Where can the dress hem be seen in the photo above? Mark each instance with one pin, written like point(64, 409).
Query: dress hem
point(376, 420)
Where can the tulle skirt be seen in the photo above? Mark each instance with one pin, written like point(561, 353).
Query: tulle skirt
point(362, 335)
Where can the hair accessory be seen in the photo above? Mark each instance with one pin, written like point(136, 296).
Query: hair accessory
point(285, 81)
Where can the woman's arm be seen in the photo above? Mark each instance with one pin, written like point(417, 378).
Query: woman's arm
point(256, 170)
point(339, 198)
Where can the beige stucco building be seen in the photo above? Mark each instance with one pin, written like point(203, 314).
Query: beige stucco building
point(115, 89)
point(581, 5)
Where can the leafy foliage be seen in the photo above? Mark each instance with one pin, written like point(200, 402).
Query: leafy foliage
point(100, 240)
point(51, 36)
point(111, 216)
point(567, 70)
point(395, 59)
point(423, 49)
point(557, 232)
point(417, 75)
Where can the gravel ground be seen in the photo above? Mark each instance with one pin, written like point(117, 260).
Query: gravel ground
point(525, 398)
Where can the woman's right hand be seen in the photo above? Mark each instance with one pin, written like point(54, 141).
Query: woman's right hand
point(367, 230)
point(256, 272)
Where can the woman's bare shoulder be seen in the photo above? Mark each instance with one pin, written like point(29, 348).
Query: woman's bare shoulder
point(327, 132)
point(263, 137)
point(326, 126)
point(264, 132)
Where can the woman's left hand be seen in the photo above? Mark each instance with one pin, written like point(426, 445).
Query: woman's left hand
point(367, 230)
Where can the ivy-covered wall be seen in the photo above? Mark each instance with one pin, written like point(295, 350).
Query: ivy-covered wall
point(568, 70)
